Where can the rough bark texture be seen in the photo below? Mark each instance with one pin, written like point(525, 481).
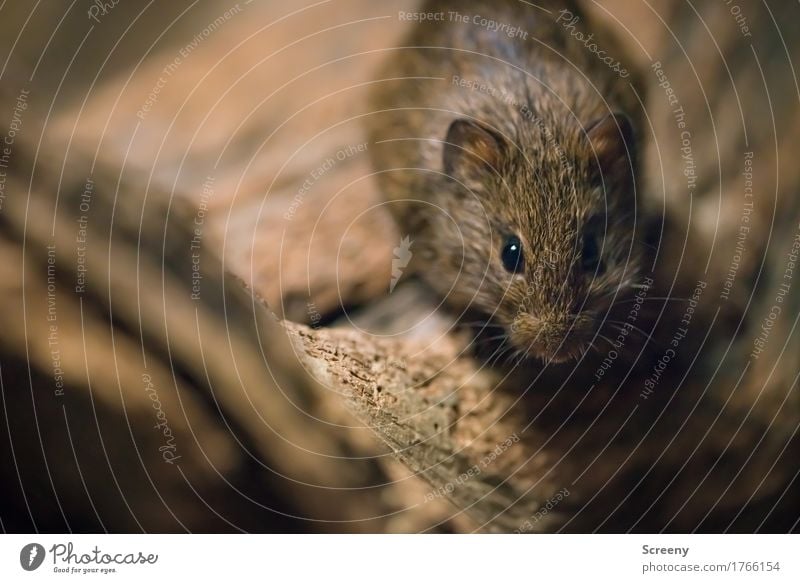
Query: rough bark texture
point(298, 423)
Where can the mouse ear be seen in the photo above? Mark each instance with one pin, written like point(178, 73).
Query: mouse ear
point(472, 149)
point(611, 148)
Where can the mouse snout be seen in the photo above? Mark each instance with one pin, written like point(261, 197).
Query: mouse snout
point(554, 337)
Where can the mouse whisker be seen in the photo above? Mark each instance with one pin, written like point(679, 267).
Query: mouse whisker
point(621, 325)
point(660, 299)
point(592, 345)
point(611, 342)
point(519, 357)
point(648, 337)
point(619, 291)
point(499, 353)
point(491, 338)
point(485, 325)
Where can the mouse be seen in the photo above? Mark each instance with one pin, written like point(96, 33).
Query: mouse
point(503, 138)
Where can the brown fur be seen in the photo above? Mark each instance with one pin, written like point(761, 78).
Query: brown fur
point(543, 98)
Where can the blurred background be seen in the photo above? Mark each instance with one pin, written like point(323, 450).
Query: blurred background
point(135, 130)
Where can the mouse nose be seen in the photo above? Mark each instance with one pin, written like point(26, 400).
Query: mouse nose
point(555, 338)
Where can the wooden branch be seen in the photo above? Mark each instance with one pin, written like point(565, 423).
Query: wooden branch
point(282, 426)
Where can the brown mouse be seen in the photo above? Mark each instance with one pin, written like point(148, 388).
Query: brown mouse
point(502, 136)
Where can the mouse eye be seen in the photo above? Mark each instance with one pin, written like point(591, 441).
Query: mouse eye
point(512, 254)
point(590, 254)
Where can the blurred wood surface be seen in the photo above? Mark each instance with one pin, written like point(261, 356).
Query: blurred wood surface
point(299, 426)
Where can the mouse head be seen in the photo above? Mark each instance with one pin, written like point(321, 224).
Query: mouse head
point(539, 227)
